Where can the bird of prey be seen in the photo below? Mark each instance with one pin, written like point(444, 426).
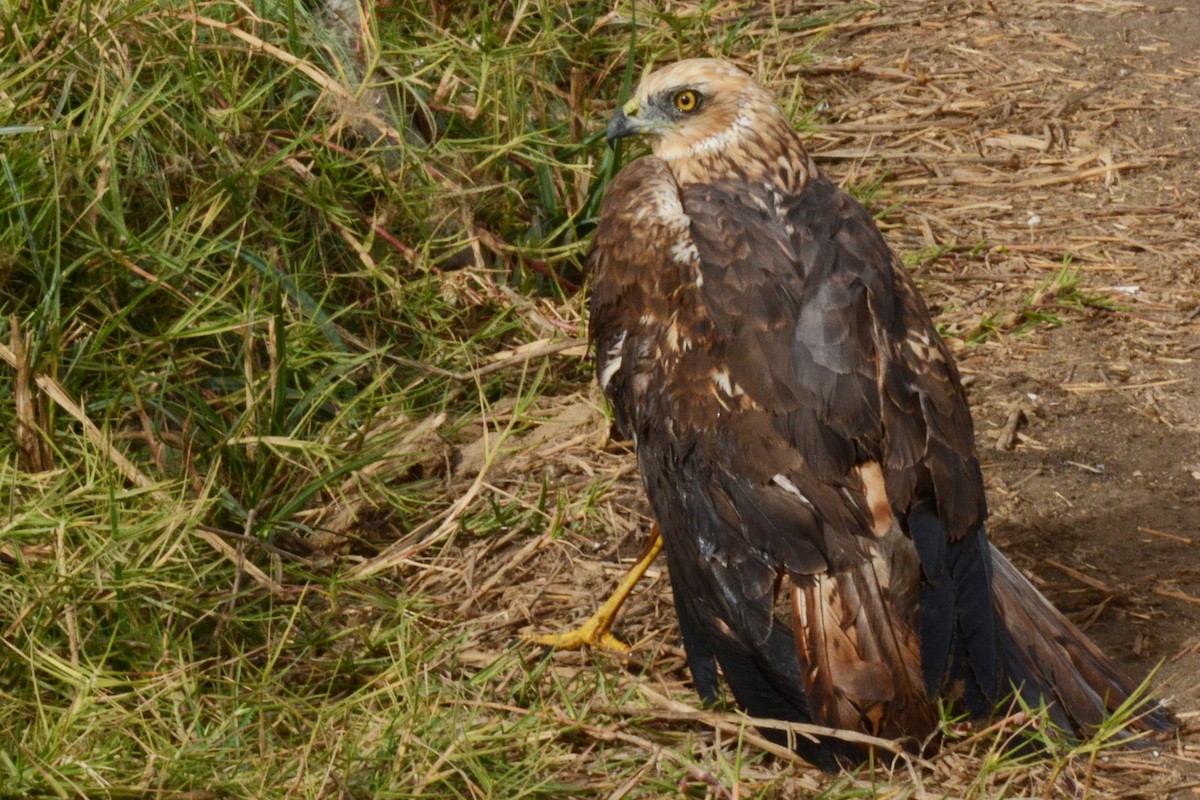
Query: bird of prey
point(805, 441)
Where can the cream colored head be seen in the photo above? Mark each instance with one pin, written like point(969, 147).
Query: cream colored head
point(696, 108)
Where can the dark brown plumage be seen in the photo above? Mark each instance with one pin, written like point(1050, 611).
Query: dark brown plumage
point(801, 431)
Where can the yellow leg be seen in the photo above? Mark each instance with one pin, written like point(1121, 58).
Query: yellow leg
point(596, 631)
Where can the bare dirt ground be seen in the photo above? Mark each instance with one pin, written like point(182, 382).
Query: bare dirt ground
point(1023, 143)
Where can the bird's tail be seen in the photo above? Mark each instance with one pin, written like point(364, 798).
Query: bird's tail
point(860, 653)
point(1051, 661)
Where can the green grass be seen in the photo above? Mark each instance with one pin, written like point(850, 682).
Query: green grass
point(244, 266)
point(234, 292)
point(1049, 306)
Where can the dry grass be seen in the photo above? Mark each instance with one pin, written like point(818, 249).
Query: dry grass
point(303, 429)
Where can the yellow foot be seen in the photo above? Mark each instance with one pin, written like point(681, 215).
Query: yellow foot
point(595, 632)
point(589, 634)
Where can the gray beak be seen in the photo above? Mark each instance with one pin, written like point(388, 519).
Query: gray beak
point(619, 127)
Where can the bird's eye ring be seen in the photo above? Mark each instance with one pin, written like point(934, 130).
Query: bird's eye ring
point(687, 101)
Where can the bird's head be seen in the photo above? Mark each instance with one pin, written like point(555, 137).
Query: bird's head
point(699, 107)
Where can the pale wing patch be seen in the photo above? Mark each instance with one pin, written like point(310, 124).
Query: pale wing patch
point(610, 369)
point(860, 659)
point(721, 378)
point(846, 676)
point(875, 488)
point(923, 348)
point(684, 252)
point(677, 338)
point(883, 570)
point(667, 208)
point(784, 483)
point(613, 363)
point(800, 607)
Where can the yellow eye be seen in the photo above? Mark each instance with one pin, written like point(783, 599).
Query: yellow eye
point(687, 100)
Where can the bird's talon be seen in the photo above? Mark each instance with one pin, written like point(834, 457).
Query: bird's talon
point(614, 645)
point(579, 638)
point(595, 632)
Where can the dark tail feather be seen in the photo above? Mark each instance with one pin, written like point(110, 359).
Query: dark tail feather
point(765, 682)
point(958, 629)
point(1052, 661)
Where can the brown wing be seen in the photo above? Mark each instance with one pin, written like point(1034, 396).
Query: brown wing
point(798, 420)
point(815, 320)
point(825, 329)
point(876, 386)
point(701, 349)
point(654, 347)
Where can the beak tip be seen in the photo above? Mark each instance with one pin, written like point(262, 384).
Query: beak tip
point(618, 127)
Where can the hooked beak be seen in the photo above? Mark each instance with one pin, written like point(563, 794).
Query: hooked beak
point(623, 124)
